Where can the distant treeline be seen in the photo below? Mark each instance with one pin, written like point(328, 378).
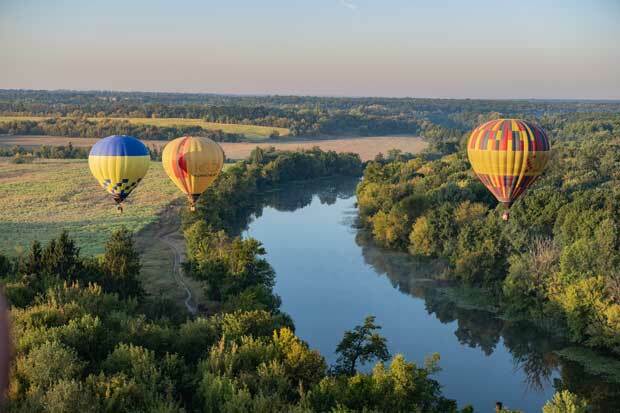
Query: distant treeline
point(81, 127)
point(443, 122)
point(302, 115)
point(48, 152)
point(24, 155)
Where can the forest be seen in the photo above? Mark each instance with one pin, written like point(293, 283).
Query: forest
point(303, 115)
point(554, 263)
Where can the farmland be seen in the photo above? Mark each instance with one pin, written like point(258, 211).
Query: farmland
point(43, 198)
point(253, 132)
point(366, 147)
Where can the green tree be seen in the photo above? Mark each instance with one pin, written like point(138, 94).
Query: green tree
point(6, 266)
point(68, 396)
point(61, 257)
point(257, 155)
point(45, 365)
point(362, 344)
point(121, 265)
point(33, 261)
point(565, 402)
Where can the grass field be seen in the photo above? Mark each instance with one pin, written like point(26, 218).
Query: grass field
point(255, 132)
point(41, 199)
point(366, 147)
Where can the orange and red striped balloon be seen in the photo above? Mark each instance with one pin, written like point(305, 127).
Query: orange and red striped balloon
point(192, 163)
point(508, 155)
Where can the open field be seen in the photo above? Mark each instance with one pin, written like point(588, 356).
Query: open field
point(41, 199)
point(366, 147)
point(250, 131)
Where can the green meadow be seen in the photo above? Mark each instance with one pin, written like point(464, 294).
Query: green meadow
point(42, 198)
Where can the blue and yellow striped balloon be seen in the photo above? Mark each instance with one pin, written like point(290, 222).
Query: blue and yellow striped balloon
point(119, 163)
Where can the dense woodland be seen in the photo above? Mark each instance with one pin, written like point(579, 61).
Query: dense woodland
point(304, 116)
point(555, 262)
point(82, 127)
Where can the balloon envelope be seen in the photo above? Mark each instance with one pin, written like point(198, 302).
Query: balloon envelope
point(192, 163)
point(119, 163)
point(508, 155)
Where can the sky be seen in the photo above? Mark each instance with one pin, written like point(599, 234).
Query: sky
point(562, 49)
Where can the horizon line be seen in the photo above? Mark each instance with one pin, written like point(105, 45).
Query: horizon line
point(335, 96)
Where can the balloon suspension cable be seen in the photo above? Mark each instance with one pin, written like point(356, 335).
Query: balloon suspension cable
point(119, 206)
point(192, 201)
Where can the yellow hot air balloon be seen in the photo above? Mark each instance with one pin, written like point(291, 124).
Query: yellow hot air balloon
point(119, 163)
point(192, 163)
point(508, 155)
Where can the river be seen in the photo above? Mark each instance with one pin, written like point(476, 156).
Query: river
point(330, 276)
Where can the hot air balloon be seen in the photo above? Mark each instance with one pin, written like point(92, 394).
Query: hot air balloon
point(192, 163)
point(119, 163)
point(508, 155)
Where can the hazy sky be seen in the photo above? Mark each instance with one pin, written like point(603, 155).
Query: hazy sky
point(421, 48)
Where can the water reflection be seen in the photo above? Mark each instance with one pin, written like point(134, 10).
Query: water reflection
point(294, 196)
point(343, 291)
point(532, 350)
point(300, 194)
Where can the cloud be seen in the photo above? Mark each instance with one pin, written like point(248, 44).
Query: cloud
point(349, 4)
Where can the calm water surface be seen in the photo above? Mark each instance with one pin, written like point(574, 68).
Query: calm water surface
point(330, 277)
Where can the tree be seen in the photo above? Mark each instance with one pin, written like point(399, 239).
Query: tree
point(121, 265)
point(6, 266)
point(61, 257)
point(257, 155)
point(565, 402)
point(68, 396)
point(46, 364)
point(33, 262)
point(363, 344)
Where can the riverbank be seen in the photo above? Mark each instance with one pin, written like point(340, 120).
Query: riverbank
point(330, 276)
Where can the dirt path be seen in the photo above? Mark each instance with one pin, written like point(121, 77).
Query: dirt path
point(162, 247)
point(167, 237)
